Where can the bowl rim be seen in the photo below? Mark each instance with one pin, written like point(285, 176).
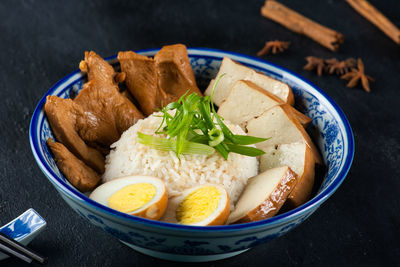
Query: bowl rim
point(217, 54)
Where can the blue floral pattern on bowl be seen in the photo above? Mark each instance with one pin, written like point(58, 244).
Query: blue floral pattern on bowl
point(330, 131)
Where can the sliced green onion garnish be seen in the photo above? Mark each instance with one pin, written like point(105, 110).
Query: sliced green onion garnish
point(196, 128)
point(248, 140)
point(165, 144)
point(216, 137)
point(245, 150)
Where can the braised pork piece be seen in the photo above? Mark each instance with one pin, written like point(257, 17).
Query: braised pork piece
point(159, 81)
point(97, 116)
point(142, 80)
point(86, 126)
point(107, 113)
point(175, 73)
point(79, 174)
point(62, 115)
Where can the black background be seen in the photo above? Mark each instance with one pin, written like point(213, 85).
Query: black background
point(42, 41)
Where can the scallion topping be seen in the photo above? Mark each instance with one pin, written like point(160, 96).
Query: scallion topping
point(196, 128)
point(164, 144)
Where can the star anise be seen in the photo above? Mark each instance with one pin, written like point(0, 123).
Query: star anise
point(273, 46)
point(339, 67)
point(357, 74)
point(315, 63)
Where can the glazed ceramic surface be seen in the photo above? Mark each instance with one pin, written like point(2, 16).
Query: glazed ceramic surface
point(330, 131)
point(24, 228)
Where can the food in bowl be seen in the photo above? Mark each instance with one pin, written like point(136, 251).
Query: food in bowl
point(186, 151)
point(143, 196)
point(202, 205)
point(264, 195)
point(130, 157)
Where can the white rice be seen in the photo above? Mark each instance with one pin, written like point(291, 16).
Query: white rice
point(128, 157)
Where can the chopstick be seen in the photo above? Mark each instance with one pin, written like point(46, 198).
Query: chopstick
point(12, 248)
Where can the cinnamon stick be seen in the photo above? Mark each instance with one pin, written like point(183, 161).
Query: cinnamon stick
point(377, 18)
point(302, 25)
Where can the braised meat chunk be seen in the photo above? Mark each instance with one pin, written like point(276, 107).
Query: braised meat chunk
point(107, 113)
point(63, 115)
point(156, 82)
point(76, 171)
point(174, 70)
point(97, 124)
point(86, 126)
point(142, 81)
point(97, 68)
point(98, 115)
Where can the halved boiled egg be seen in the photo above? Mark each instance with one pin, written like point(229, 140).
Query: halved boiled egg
point(202, 205)
point(142, 196)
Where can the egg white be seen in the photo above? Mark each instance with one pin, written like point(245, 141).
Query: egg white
point(102, 193)
point(173, 204)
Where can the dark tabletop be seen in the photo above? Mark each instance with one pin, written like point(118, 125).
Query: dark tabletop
point(42, 41)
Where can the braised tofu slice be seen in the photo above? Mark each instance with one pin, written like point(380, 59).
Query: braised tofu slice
point(246, 101)
point(235, 71)
point(290, 145)
point(76, 171)
point(264, 195)
point(281, 126)
point(303, 119)
point(299, 157)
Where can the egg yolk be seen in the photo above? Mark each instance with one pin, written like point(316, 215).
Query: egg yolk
point(132, 197)
point(198, 205)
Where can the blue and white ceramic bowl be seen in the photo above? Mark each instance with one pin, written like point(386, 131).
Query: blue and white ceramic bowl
point(332, 134)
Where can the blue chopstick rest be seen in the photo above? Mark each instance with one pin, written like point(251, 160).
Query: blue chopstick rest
point(24, 228)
